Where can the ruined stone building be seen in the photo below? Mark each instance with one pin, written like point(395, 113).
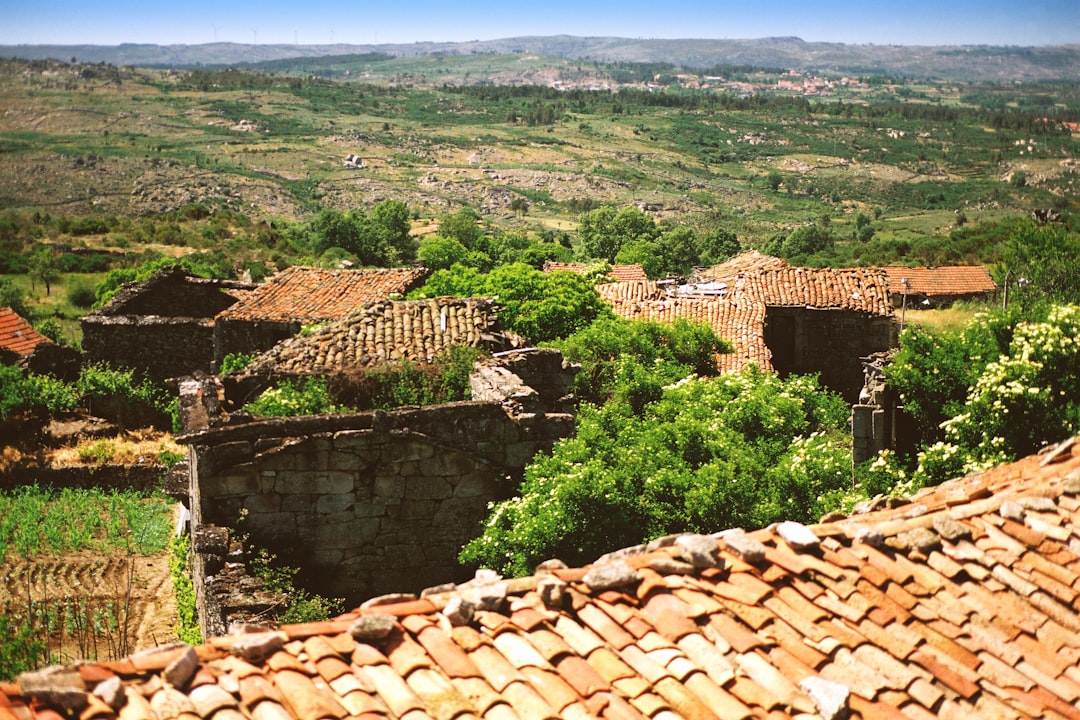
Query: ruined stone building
point(778, 318)
point(22, 345)
point(369, 502)
point(162, 327)
point(175, 324)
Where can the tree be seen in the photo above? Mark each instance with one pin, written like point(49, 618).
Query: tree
point(1046, 258)
point(718, 246)
point(645, 253)
point(392, 218)
point(679, 251)
point(731, 451)
point(462, 226)
point(604, 231)
point(44, 266)
point(773, 180)
point(537, 305)
point(440, 253)
point(13, 297)
point(807, 240)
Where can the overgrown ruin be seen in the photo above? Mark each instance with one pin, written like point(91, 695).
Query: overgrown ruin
point(370, 502)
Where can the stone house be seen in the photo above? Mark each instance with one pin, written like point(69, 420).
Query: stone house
point(299, 296)
point(22, 345)
point(778, 318)
point(174, 324)
point(162, 327)
point(938, 286)
point(961, 602)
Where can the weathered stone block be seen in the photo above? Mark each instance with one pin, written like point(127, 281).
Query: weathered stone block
point(244, 484)
point(451, 464)
point(480, 483)
point(266, 480)
point(333, 483)
point(327, 504)
point(427, 488)
point(457, 514)
point(346, 461)
point(389, 486)
point(368, 510)
point(263, 503)
point(418, 510)
point(521, 454)
point(412, 450)
point(298, 503)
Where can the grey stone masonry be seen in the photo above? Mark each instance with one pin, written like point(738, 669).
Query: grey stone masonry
point(365, 503)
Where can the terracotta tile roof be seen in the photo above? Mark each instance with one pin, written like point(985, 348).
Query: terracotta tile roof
point(16, 334)
point(306, 294)
point(618, 273)
point(387, 331)
point(961, 603)
point(748, 261)
point(736, 318)
point(735, 308)
point(936, 281)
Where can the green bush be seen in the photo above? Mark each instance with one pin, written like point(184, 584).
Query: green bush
point(81, 294)
point(99, 380)
point(665, 352)
point(303, 396)
point(999, 390)
point(21, 648)
point(303, 606)
point(738, 450)
point(235, 362)
point(445, 379)
point(187, 629)
point(537, 305)
point(19, 392)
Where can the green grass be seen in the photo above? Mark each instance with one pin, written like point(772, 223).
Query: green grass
point(37, 521)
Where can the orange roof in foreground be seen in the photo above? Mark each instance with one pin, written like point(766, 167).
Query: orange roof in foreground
point(957, 280)
point(17, 335)
point(962, 603)
point(307, 294)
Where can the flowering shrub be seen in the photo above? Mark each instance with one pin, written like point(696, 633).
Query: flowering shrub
point(1025, 392)
point(1027, 398)
point(305, 396)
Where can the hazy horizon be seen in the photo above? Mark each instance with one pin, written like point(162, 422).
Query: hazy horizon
point(318, 22)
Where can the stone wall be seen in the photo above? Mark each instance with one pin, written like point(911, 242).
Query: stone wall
point(828, 342)
point(160, 347)
point(368, 503)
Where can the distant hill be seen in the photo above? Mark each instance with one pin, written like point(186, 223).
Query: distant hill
point(961, 62)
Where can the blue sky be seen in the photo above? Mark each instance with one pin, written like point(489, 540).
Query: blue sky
point(915, 22)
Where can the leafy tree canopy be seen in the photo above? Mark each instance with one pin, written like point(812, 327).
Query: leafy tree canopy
point(537, 305)
point(730, 451)
point(604, 231)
